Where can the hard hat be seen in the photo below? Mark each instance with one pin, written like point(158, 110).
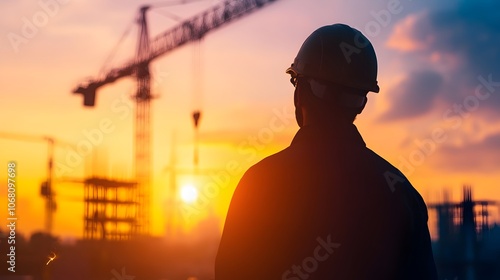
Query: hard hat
point(338, 54)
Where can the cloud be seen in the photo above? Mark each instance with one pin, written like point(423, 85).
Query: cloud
point(478, 156)
point(461, 43)
point(414, 95)
point(406, 36)
point(470, 31)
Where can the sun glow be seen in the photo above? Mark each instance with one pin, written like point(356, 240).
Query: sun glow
point(188, 193)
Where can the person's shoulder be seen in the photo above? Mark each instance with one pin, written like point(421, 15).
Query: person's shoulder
point(388, 173)
point(259, 178)
point(381, 164)
point(273, 161)
point(272, 167)
point(397, 182)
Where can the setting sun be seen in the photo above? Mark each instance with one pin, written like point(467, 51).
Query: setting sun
point(188, 193)
point(128, 127)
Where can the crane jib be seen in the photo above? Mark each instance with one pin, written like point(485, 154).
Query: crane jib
point(190, 30)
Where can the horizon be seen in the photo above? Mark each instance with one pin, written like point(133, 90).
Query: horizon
point(435, 117)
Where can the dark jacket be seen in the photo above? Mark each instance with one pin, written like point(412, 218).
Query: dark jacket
point(326, 207)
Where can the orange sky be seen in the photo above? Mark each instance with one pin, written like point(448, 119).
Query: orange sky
point(246, 101)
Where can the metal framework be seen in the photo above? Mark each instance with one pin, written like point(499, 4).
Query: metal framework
point(47, 187)
point(110, 209)
point(147, 50)
point(462, 229)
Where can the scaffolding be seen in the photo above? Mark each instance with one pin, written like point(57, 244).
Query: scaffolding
point(110, 209)
point(466, 238)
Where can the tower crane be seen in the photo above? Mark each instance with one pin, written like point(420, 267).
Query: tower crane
point(190, 30)
point(47, 186)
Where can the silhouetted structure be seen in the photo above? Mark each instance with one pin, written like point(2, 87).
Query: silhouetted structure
point(47, 187)
point(148, 49)
point(111, 209)
point(148, 258)
point(469, 245)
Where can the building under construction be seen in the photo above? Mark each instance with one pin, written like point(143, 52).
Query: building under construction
point(111, 209)
point(148, 49)
point(469, 243)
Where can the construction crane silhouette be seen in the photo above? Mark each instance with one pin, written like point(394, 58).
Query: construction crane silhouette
point(190, 30)
point(47, 187)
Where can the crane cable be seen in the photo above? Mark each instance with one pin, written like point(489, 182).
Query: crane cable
point(131, 24)
point(115, 48)
point(197, 98)
point(173, 3)
point(171, 15)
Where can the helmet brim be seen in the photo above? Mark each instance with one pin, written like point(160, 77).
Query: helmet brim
point(290, 70)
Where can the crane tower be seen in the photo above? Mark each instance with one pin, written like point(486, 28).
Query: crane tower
point(190, 30)
point(47, 190)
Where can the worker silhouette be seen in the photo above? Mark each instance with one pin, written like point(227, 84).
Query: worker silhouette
point(327, 207)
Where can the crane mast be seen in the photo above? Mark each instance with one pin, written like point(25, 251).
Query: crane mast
point(147, 50)
point(142, 127)
point(47, 187)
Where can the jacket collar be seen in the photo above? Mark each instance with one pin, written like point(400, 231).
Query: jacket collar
point(334, 134)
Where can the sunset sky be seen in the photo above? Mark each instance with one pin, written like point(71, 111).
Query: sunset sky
point(436, 116)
